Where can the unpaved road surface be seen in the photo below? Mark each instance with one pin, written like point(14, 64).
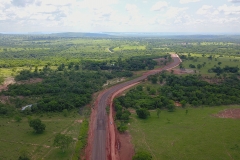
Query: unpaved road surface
point(103, 144)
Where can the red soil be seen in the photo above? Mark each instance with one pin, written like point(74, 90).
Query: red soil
point(5, 84)
point(229, 113)
point(116, 139)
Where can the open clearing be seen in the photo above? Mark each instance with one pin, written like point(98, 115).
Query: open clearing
point(18, 136)
point(195, 135)
point(225, 61)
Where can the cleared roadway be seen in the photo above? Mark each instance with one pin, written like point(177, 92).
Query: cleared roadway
point(99, 151)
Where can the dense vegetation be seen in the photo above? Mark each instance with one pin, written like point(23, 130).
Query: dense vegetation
point(186, 90)
point(59, 90)
point(131, 64)
point(197, 92)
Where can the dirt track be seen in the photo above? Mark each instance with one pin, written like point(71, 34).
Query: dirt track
point(102, 133)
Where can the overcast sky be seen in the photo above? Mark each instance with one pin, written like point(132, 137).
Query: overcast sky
point(119, 16)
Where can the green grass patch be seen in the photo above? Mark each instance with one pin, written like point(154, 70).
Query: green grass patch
point(82, 141)
point(230, 61)
point(195, 135)
point(128, 47)
point(16, 136)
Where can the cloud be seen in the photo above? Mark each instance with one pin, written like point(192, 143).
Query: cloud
point(132, 8)
point(170, 16)
point(234, 1)
point(134, 16)
point(188, 1)
point(159, 6)
point(174, 11)
point(229, 10)
point(22, 3)
point(205, 10)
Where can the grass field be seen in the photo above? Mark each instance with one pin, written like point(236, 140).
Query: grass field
point(196, 135)
point(225, 61)
point(8, 72)
point(128, 47)
point(18, 136)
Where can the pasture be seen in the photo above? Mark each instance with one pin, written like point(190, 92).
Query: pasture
point(18, 136)
point(193, 135)
point(129, 47)
point(230, 61)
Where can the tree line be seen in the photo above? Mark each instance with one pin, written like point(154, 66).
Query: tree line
point(188, 90)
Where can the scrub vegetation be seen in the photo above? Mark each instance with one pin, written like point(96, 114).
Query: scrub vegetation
point(57, 75)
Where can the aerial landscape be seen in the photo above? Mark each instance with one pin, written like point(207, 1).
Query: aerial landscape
point(119, 80)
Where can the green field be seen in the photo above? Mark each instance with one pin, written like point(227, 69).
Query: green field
point(231, 61)
point(196, 135)
point(18, 136)
point(128, 47)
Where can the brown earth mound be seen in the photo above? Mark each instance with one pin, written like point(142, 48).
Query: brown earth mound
point(229, 113)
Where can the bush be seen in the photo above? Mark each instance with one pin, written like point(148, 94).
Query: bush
point(143, 113)
point(122, 127)
point(142, 156)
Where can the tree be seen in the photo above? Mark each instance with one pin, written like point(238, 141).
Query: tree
point(143, 113)
point(62, 141)
point(158, 112)
point(142, 156)
point(37, 125)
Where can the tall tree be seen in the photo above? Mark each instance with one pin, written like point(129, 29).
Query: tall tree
point(37, 125)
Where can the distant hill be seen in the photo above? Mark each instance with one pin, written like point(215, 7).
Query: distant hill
point(80, 34)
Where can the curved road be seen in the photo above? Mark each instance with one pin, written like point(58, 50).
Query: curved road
point(99, 150)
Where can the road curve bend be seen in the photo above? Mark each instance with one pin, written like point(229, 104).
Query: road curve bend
point(103, 144)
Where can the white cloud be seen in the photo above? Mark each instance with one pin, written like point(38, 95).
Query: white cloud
point(134, 16)
point(188, 1)
point(205, 10)
point(229, 10)
point(132, 8)
point(113, 15)
point(159, 6)
point(169, 16)
point(174, 11)
point(234, 1)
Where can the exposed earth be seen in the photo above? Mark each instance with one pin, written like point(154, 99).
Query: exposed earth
point(10, 80)
point(229, 113)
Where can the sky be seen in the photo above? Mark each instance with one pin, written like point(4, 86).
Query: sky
point(208, 16)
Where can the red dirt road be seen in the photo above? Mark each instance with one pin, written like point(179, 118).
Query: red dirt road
point(102, 137)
